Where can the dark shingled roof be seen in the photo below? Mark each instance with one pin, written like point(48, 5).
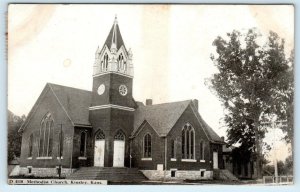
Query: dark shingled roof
point(76, 102)
point(162, 118)
point(116, 39)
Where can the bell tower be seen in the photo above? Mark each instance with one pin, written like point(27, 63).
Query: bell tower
point(113, 72)
point(112, 105)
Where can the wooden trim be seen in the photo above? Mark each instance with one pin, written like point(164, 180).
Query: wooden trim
point(111, 106)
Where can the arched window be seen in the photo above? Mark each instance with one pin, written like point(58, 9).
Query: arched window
point(119, 136)
point(147, 146)
point(61, 145)
point(46, 136)
point(173, 149)
point(100, 135)
point(104, 63)
point(121, 62)
point(202, 150)
point(83, 138)
point(30, 145)
point(188, 142)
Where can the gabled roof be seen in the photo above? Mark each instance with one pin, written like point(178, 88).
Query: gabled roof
point(162, 118)
point(76, 102)
point(115, 37)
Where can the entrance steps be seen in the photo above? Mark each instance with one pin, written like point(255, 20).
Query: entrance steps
point(111, 174)
point(224, 174)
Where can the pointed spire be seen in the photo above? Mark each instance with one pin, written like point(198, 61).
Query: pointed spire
point(114, 40)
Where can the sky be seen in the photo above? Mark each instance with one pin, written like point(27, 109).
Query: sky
point(171, 46)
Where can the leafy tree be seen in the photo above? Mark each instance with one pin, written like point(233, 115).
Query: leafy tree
point(284, 100)
point(14, 137)
point(248, 76)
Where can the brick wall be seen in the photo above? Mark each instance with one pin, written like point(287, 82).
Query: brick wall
point(47, 103)
point(158, 147)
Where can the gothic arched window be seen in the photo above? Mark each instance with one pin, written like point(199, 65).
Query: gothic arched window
point(100, 135)
point(202, 150)
point(121, 62)
point(83, 138)
point(147, 146)
point(119, 136)
point(188, 142)
point(46, 136)
point(104, 63)
point(30, 145)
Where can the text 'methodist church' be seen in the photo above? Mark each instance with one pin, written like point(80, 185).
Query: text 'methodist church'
point(106, 129)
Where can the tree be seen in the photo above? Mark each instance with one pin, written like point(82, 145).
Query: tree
point(14, 137)
point(284, 100)
point(248, 76)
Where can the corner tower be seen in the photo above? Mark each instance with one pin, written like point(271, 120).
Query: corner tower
point(112, 105)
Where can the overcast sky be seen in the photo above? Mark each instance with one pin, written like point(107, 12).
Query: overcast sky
point(171, 48)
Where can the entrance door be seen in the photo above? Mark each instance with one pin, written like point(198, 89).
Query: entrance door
point(99, 153)
point(99, 149)
point(215, 160)
point(119, 149)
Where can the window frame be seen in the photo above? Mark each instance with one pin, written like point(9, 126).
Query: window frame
point(188, 136)
point(45, 150)
point(84, 147)
point(202, 151)
point(30, 146)
point(146, 146)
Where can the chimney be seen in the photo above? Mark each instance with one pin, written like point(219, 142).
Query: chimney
point(195, 101)
point(148, 101)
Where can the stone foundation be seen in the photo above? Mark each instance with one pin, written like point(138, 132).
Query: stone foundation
point(178, 175)
point(44, 172)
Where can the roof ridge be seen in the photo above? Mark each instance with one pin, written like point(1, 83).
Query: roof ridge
point(167, 103)
point(53, 84)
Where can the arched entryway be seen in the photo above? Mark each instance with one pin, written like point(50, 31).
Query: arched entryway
point(119, 149)
point(99, 149)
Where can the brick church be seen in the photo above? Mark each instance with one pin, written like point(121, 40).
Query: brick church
point(106, 127)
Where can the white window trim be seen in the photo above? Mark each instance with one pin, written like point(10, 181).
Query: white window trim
point(173, 159)
point(44, 158)
point(29, 157)
point(146, 159)
point(202, 161)
point(188, 160)
point(82, 158)
point(189, 141)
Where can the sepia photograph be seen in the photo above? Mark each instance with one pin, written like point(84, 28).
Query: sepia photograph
point(150, 94)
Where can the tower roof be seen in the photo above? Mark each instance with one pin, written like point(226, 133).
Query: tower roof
point(114, 38)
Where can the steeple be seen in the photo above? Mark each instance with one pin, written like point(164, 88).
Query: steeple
point(114, 39)
point(113, 57)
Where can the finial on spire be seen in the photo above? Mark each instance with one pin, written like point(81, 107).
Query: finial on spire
point(116, 19)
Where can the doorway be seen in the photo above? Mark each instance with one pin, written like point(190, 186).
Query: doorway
point(119, 149)
point(215, 160)
point(99, 149)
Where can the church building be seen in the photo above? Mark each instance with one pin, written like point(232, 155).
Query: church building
point(107, 128)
